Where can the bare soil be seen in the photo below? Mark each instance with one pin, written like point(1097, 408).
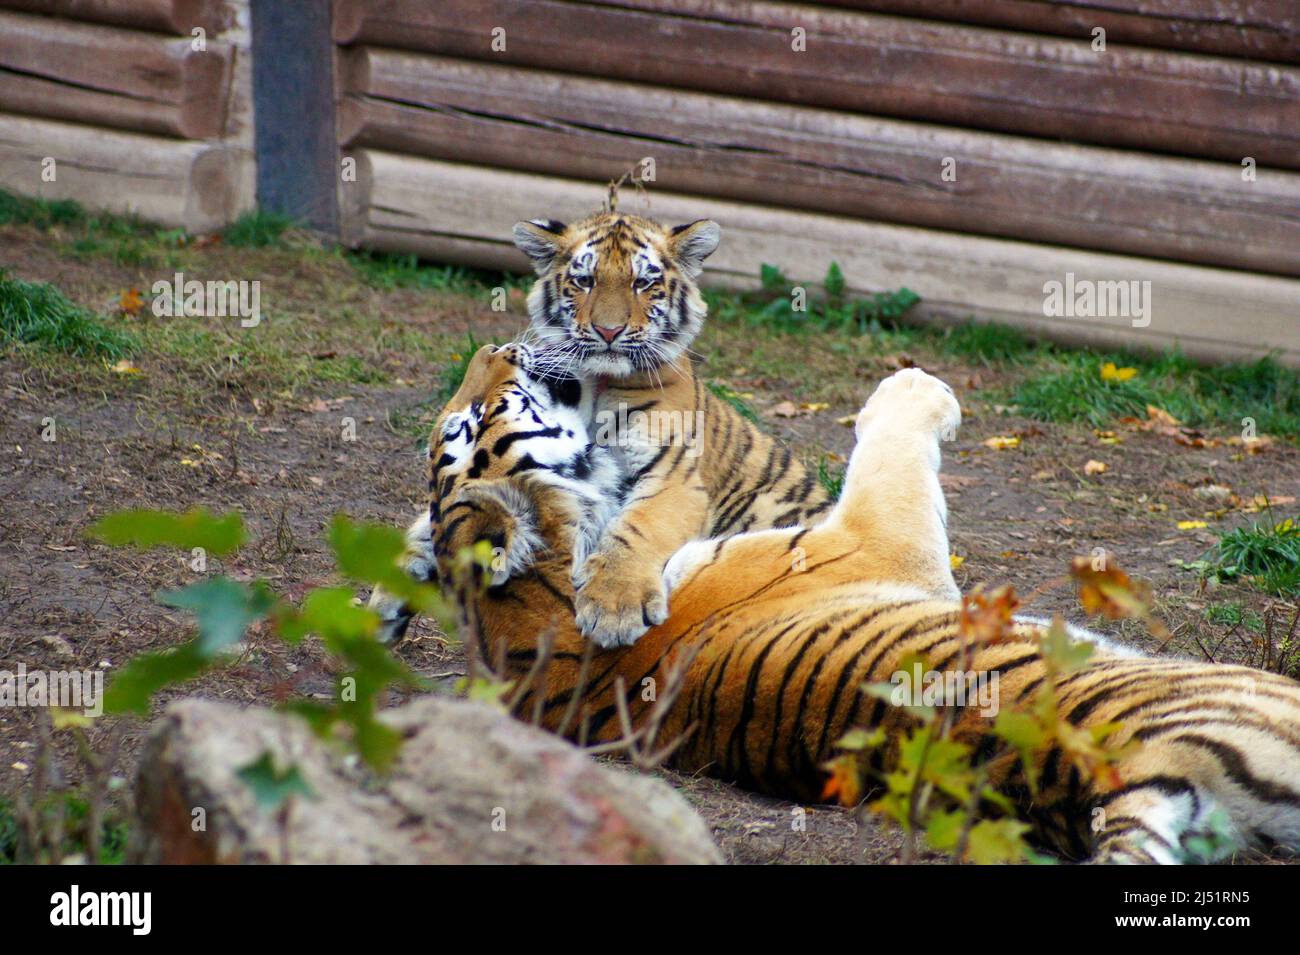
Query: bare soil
point(279, 456)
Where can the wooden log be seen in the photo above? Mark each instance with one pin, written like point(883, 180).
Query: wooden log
point(460, 213)
point(958, 75)
point(113, 77)
point(191, 185)
point(1256, 29)
point(164, 16)
point(821, 160)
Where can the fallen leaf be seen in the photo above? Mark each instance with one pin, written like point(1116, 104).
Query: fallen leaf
point(130, 302)
point(1001, 443)
point(1095, 467)
point(812, 407)
point(955, 561)
point(124, 367)
point(1191, 525)
point(785, 409)
point(849, 420)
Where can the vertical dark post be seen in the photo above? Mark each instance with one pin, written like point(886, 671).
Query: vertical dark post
point(293, 103)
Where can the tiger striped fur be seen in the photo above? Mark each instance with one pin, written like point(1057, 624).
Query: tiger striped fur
point(786, 625)
point(616, 306)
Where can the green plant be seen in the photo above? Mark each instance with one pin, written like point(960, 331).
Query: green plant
point(830, 478)
point(789, 306)
point(40, 314)
point(224, 610)
point(42, 213)
point(257, 229)
point(940, 781)
point(987, 342)
point(1234, 615)
point(1266, 553)
point(67, 813)
point(742, 407)
point(1072, 387)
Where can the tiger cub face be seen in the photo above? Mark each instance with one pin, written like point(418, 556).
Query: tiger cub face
point(616, 294)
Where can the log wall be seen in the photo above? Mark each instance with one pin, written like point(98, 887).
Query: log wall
point(140, 106)
point(973, 150)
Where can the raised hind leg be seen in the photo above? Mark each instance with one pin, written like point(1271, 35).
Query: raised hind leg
point(892, 502)
point(891, 514)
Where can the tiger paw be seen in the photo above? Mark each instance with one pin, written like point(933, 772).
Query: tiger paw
point(616, 601)
point(911, 400)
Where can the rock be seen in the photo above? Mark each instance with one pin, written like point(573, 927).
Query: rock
point(471, 785)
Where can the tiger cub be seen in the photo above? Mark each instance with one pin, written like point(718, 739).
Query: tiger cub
point(615, 305)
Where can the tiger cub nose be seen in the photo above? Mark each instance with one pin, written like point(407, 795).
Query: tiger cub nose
point(607, 333)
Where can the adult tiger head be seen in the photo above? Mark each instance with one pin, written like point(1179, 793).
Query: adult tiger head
point(615, 294)
point(510, 460)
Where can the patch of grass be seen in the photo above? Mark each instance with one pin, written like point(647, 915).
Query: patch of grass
point(783, 305)
point(1072, 388)
point(391, 270)
point(40, 314)
point(125, 240)
point(257, 230)
point(743, 407)
point(1234, 615)
point(454, 373)
point(1266, 553)
point(114, 831)
point(987, 342)
point(831, 478)
point(42, 213)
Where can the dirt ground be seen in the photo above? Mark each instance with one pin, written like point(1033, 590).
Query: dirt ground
point(221, 439)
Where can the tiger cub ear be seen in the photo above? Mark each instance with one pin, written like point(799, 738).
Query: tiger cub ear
point(539, 239)
point(690, 244)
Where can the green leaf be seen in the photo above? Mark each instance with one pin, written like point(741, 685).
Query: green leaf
point(224, 609)
point(271, 785)
point(943, 829)
point(332, 614)
point(195, 528)
point(368, 553)
point(859, 739)
point(132, 690)
point(1058, 647)
point(996, 841)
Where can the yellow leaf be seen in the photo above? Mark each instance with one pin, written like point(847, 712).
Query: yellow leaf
point(954, 561)
point(814, 406)
point(1095, 467)
point(1002, 443)
point(124, 367)
point(1110, 373)
point(130, 302)
point(189, 462)
point(66, 719)
point(1191, 525)
point(849, 420)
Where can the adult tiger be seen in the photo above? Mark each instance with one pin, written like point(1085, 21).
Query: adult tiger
point(785, 626)
point(615, 304)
